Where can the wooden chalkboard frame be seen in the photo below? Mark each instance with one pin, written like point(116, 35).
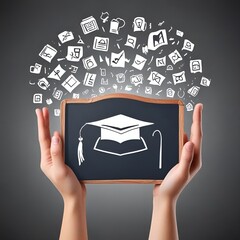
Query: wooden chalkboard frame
point(132, 97)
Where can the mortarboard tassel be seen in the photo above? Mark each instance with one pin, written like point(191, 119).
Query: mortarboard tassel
point(80, 146)
point(80, 151)
point(160, 146)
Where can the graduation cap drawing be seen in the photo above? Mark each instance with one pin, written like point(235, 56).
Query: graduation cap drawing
point(120, 135)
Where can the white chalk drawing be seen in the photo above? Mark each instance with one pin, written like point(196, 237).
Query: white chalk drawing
point(139, 62)
point(57, 73)
point(36, 69)
point(131, 41)
point(189, 107)
point(65, 36)
point(161, 62)
point(179, 77)
point(76, 96)
point(37, 98)
point(193, 91)
point(43, 83)
point(175, 57)
point(205, 82)
point(170, 93)
point(48, 53)
point(136, 79)
point(138, 49)
point(70, 83)
point(89, 63)
point(116, 25)
point(49, 101)
point(120, 129)
point(101, 44)
point(196, 66)
point(157, 39)
point(139, 24)
point(89, 25)
point(74, 53)
point(89, 79)
point(118, 59)
point(156, 78)
point(57, 112)
point(160, 146)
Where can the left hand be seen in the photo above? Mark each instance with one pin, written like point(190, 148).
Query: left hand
point(52, 160)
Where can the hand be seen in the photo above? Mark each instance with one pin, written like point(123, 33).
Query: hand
point(190, 162)
point(52, 161)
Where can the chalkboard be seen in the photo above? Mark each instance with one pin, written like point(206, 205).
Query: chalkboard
point(121, 138)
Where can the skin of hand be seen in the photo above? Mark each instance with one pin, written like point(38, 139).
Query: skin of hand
point(72, 191)
point(165, 195)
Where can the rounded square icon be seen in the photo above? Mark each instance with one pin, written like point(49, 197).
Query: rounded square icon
point(196, 66)
point(37, 98)
point(101, 44)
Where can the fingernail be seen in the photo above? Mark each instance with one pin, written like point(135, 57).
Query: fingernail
point(55, 140)
point(189, 146)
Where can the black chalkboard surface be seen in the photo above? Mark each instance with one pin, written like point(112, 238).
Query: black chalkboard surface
point(121, 138)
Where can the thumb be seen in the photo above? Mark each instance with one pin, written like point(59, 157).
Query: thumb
point(56, 149)
point(187, 156)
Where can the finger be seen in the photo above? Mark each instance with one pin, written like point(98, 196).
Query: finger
point(196, 129)
point(56, 150)
point(186, 157)
point(43, 129)
point(185, 138)
point(46, 119)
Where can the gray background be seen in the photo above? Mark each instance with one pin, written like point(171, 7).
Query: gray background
point(30, 207)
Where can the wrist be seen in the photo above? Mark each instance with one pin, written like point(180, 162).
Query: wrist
point(164, 200)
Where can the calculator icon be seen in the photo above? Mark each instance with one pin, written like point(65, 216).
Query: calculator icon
point(89, 25)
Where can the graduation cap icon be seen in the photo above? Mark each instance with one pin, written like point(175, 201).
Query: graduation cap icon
point(120, 135)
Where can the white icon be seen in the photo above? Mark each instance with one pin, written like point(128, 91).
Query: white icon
point(179, 33)
point(104, 81)
point(89, 79)
point(157, 39)
point(139, 62)
point(120, 77)
point(136, 79)
point(37, 98)
point(119, 129)
point(205, 82)
point(49, 101)
point(101, 90)
point(169, 68)
point(193, 91)
point(48, 53)
point(189, 107)
point(103, 72)
point(188, 46)
point(179, 77)
point(89, 25)
point(57, 73)
point(104, 17)
point(118, 59)
point(156, 78)
point(170, 92)
point(196, 66)
point(43, 83)
point(148, 90)
point(131, 41)
point(56, 112)
point(128, 88)
point(75, 95)
point(85, 92)
point(57, 94)
point(145, 49)
point(70, 83)
point(116, 25)
point(65, 36)
point(89, 63)
point(73, 69)
point(139, 24)
point(36, 69)
point(74, 53)
point(175, 57)
point(160, 62)
point(101, 44)
point(80, 41)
